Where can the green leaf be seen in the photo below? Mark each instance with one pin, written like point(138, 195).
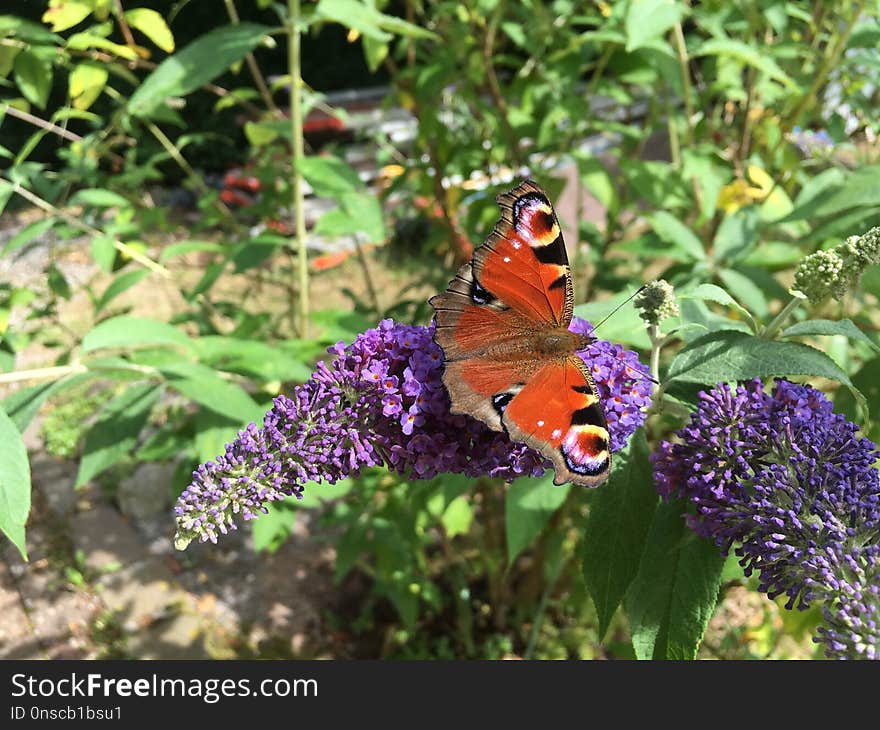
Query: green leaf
point(745, 290)
point(367, 20)
point(858, 189)
point(120, 284)
point(22, 405)
point(67, 13)
point(329, 176)
point(714, 293)
point(114, 435)
point(184, 247)
point(213, 432)
point(727, 356)
point(98, 198)
point(26, 30)
point(358, 213)
point(15, 483)
point(195, 65)
point(457, 517)
point(648, 20)
point(736, 235)
point(273, 528)
point(746, 54)
point(153, 26)
point(28, 234)
point(528, 506)
point(625, 327)
point(58, 282)
point(33, 76)
point(315, 494)
point(673, 596)
point(126, 331)
point(614, 536)
point(85, 84)
point(6, 191)
point(250, 357)
point(843, 327)
point(104, 252)
point(255, 251)
point(867, 380)
point(673, 231)
point(204, 386)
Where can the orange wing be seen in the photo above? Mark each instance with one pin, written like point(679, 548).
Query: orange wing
point(518, 284)
point(558, 413)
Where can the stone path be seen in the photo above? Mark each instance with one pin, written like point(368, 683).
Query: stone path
point(101, 584)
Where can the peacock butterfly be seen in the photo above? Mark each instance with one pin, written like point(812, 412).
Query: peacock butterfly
point(510, 359)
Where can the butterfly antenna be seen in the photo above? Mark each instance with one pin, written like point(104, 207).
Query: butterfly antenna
point(617, 308)
point(611, 314)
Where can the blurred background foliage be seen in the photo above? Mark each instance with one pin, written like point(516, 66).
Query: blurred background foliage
point(153, 297)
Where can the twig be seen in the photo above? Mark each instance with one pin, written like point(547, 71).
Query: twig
point(296, 130)
point(495, 88)
point(368, 279)
point(123, 248)
point(123, 24)
point(257, 75)
point(193, 176)
point(680, 46)
point(42, 373)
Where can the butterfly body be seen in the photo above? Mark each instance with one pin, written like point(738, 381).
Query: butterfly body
point(510, 359)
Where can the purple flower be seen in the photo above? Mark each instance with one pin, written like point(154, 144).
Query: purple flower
point(381, 401)
point(789, 481)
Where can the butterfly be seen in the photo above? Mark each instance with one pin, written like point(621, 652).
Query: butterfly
point(509, 357)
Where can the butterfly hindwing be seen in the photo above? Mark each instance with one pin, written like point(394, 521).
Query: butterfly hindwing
point(558, 413)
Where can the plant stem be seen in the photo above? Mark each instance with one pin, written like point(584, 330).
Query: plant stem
point(193, 176)
point(41, 123)
point(830, 61)
point(680, 46)
point(296, 123)
point(123, 248)
point(42, 373)
point(123, 24)
point(771, 329)
point(257, 75)
point(368, 279)
point(657, 343)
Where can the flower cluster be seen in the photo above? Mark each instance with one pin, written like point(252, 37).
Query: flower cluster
point(381, 401)
point(792, 485)
point(838, 270)
point(656, 302)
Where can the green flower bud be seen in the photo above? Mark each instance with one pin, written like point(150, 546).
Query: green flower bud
point(837, 271)
point(818, 276)
point(656, 302)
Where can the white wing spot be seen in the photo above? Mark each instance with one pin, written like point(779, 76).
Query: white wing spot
point(516, 244)
point(556, 433)
point(540, 423)
point(507, 259)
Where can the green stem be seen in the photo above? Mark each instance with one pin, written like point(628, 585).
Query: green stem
point(780, 319)
point(184, 165)
point(657, 343)
point(681, 48)
point(53, 373)
point(296, 123)
point(256, 74)
point(828, 64)
point(72, 220)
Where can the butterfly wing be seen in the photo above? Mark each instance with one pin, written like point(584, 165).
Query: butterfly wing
point(558, 413)
point(518, 280)
point(518, 284)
